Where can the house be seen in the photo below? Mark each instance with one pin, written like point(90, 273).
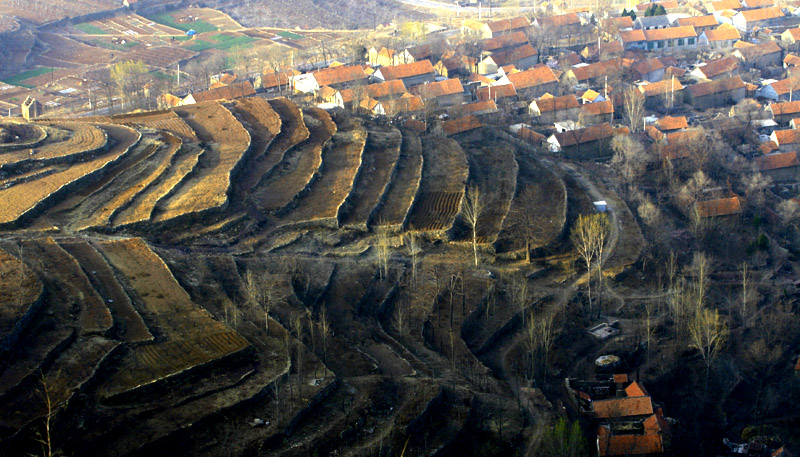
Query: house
point(651, 22)
point(274, 81)
point(751, 4)
point(760, 55)
point(473, 28)
point(466, 128)
point(787, 140)
point(411, 74)
point(596, 113)
point(336, 77)
point(230, 92)
point(722, 37)
point(716, 93)
point(522, 57)
point(700, 23)
point(720, 207)
point(633, 40)
point(476, 108)
point(560, 25)
point(611, 444)
point(590, 96)
point(651, 70)
point(409, 104)
point(583, 143)
point(505, 93)
point(532, 83)
point(455, 66)
point(722, 5)
point(791, 60)
point(388, 90)
point(784, 112)
point(670, 124)
point(594, 73)
point(507, 26)
point(666, 4)
point(507, 41)
point(781, 166)
point(607, 50)
point(662, 94)
point(671, 39)
point(443, 93)
point(791, 39)
point(761, 17)
point(783, 90)
point(716, 69)
point(549, 109)
point(31, 108)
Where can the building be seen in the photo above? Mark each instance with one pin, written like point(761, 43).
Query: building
point(476, 108)
point(781, 166)
point(274, 81)
point(230, 92)
point(549, 109)
point(760, 55)
point(494, 29)
point(716, 69)
point(532, 83)
point(651, 22)
point(407, 104)
point(671, 124)
point(522, 57)
point(783, 113)
point(502, 42)
point(505, 93)
point(783, 90)
point(607, 50)
point(633, 40)
point(583, 143)
point(596, 113)
point(671, 39)
point(663, 94)
point(712, 94)
point(651, 70)
point(723, 5)
point(594, 73)
point(441, 93)
point(700, 23)
point(31, 108)
point(466, 128)
point(761, 17)
point(786, 140)
point(720, 207)
point(336, 77)
point(455, 66)
point(411, 74)
point(723, 37)
point(560, 25)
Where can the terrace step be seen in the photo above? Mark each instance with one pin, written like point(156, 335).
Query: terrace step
point(398, 196)
point(264, 125)
point(380, 158)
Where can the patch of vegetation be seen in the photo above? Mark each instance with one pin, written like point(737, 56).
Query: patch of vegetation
point(90, 29)
point(115, 47)
point(169, 21)
point(290, 35)
point(231, 42)
point(25, 75)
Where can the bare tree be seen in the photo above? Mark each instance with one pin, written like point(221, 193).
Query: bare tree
point(602, 228)
point(747, 292)
point(629, 159)
point(44, 436)
point(523, 220)
point(633, 102)
point(582, 237)
point(708, 333)
point(414, 245)
point(472, 210)
point(297, 326)
point(382, 250)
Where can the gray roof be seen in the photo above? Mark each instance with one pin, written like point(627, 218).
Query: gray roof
point(645, 22)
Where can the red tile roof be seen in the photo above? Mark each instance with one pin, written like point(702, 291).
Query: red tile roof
point(461, 125)
point(597, 108)
point(672, 123)
point(654, 133)
point(762, 14)
point(622, 407)
point(646, 66)
point(611, 444)
point(632, 36)
point(724, 5)
point(504, 41)
point(594, 70)
point(549, 104)
point(621, 378)
point(777, 161)
point(407, 70)
point(636, 389)
point(784, 108)
point(338, 75)
point(495, 92)
point(622, 22)
point(719, 66)
point(795, 34)
point(759, 3)
point(791, 60)
point(514, 55)
point(560, 20)
point(403, 105)
point(784, 86)
point(783, 137)
point(230, 92)
point(759, 50)
point(670, 33)
point(504, 25)
point(533, 77)
point(475, 107)
point(438, 88)
point(699, 21)
point(722, 34)
point(661, 87)
point(584, 135)
point(716, 87)
point(719, 207)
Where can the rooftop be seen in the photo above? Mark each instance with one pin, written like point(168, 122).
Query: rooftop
point(716, 87)
point(719, 207)
point(777, 161)
point(407, 70)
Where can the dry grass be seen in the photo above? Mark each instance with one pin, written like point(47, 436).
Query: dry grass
point(227, 142)
point(19, 288)
point(83, 138)
point(193, 336)
point(160, 120)
point(400, 192)
point(264, 125)
point(444, 176)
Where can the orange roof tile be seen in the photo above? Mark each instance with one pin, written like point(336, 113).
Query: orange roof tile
point(716, 87)
point(719, 66)
point(762, 14)
point(338, 75)
point(495, 92)
point(654, 133)
point(438, 89)
point(791, 60)
point(560, 20)
point(549, 104)
point(474, 77)
point(461, 125)
point(719, 207)
point(584, 135)
point(229, 92)
point(504, 41)
point(670, 33)
point(514, 55)
point(684, 136)
point(724, 5)
point(403, 105)
point(759, 50)
point(784, 86)
point(672, 123)
point(632, 36)
point(649, 65)
point(531, 78)
point(759, 3)
point(795, 33)
point(475, 107)
point(722, 34)
point(636, 389)
point(784, 108)
point(621, 378)
point(594, 70)
point(699, 21)
point(622, 22)
point(777, 161)
point(597, 108)
point(386, 89)
point(783, 137)
point(407, 70)
point(623, 407)
point(533, 137)
point(504, 25)
point(611, 444)
point(661, 87)
point(767, 147)
point(273, 79)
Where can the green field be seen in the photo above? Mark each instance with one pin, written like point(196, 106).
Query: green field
point(290, 35)
point(90, 29)
point(112, 46)
point(227, 42)
point(18, 78)
point(197, 26)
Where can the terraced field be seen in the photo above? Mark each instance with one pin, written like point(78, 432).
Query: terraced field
point(207, 280)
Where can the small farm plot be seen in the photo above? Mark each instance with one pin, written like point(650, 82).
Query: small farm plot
point(69, 51)
point(293, 131)
point(298, 165)
point(161, 56)
point(193, 337)
point(15, 135)
point(159, 120)
point(493, 174)
point(397, 199)
point(341, 160)
point(198, 19)
point(227, 142)
point(65, 140)
point(380, 156)
point(444, 176)
point(264, 125)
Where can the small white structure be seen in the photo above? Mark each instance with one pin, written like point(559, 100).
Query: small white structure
point(600, 206)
